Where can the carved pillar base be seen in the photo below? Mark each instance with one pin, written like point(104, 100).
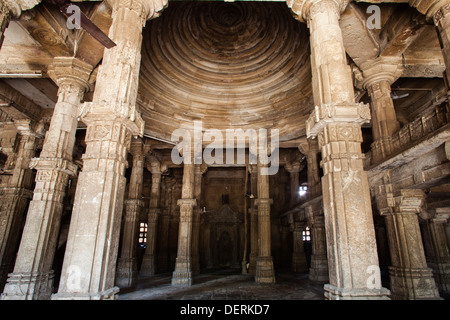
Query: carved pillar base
point(319, 268)
point(412, 284)
point(28, 286)
point(264, 270)
point(126, 274)
point(109, 294)
point(335, 293)
point(182, 275)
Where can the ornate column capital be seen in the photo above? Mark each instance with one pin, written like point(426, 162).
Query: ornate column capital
point(324, 114)
point(381, 69)
point(70, 71)
point(302, 9)
point(432, 9)
point(294, 167)
point(11, 8)
point(146, 9)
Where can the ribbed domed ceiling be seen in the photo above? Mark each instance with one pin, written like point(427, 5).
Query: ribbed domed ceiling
point(230, 65)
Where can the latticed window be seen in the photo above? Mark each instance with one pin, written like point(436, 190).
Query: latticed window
point(142, 234)
point(306, 234)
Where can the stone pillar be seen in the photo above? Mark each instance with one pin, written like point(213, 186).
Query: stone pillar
point(441, 263)
point(127, 273)
point(33, 275)
point(199, 170)
point(253, 220)
point(163, 227)
point(294, 169)
point(438, 255)
point(264, 264)
point(378, 78)
point(319, 263)
point(8, 9)
point(148, 267)
point(336, 122)
point(92, 246)
point(182, 275)
point(299, 264)
point(439, 12)
point(14, 198)
point(411, 279)
point(311, 149)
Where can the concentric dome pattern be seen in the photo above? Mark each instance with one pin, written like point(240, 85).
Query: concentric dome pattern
point(230, 65)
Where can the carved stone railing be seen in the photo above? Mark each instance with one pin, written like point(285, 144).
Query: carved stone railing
point(416, 131)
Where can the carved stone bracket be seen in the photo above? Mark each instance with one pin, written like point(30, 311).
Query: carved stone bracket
point(336, 113)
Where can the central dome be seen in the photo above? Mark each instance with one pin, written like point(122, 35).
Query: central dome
point(229, 65)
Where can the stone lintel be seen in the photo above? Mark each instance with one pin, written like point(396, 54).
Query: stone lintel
point(336, 113)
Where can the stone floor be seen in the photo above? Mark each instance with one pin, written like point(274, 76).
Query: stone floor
point(226, 284)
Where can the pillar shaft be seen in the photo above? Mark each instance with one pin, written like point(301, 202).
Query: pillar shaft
point(299, 264)
point(264, 264)
point(127, 272)
point(411, 279)
point(319, 262)
point(198, 172)
point(336, 122)
point(379, 74)
point(148, 267)
point(32, 277)
point(253, 220)
point(294, 170)
point(440, 262)
point(442, 21)
point(92, 246)
point(183, 267)
point(14, 199)
point(311, 150)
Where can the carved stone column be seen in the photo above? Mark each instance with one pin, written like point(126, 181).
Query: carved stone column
point(148, 267)
point(311, 150)
point(253, 220)
point(319, 262)
point(182, 275)
point(33, 275)
point(126, 274)
point(411, 279)
point(14, 198)
point(8, 10)
point(439, 257)
point(199, 170)
point(163, 227)
point(294, 169)
point(264, 264)
point(441, 265)
point(336, 122)
point(299, 264)
point(92, 246)
point(378, 77)
point(439, 12)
